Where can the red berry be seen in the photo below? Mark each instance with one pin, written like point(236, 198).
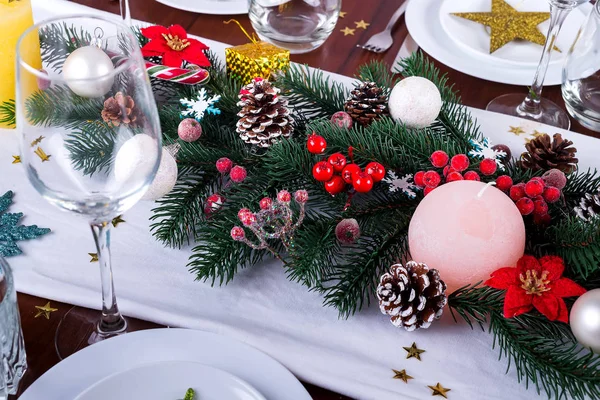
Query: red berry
point(338, 160)
point(525, 206)
point(447, 170)
point(246, 216)
point(427, 190)
point(454, 176)
point(376, 170)
point(265, 203)
point(301, 196)
point(517, 191)
point(316, 144)
point(542, 219)
point(540, 207)
point(322, 171)
point(471, 176)
point(237, 233)
point(335, 185)
point(348, 171)
point(362, 182)
point(238, 174)
point(213, 203)
point(534, 188)
point(539, 179)
point(551, 194)
point(224, 165)
point(504, 182)
point(488, 166)
point(418, 179)
point(439, 159)
point(284, 196)
point(459, 162)
point(431, 179)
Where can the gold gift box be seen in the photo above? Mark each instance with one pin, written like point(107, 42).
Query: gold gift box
point(258, 59)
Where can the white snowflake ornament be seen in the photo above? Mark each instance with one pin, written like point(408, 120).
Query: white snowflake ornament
point(483, 150)
point(403, 184)
point(196, 108)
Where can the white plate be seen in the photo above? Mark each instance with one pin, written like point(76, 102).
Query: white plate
point(169, 381)
point(432, 38)
point(475, 37)
point(217, 7)
point(83, 369)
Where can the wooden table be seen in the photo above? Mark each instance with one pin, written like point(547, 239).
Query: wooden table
point(339, 54)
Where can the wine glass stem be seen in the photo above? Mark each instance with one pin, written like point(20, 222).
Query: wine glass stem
point(125, 12)
point(531, 105)
point(112, 322)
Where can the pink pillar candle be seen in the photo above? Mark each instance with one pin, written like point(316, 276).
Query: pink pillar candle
point(466, 230)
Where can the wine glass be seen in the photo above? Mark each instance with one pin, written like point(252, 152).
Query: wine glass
point(90, 138)
point(532, 106)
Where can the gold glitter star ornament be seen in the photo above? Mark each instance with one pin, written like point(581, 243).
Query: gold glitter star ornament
point(45, 311)
point(439, 390)
point(402, 375)
point(507, 24)
point(414, 351)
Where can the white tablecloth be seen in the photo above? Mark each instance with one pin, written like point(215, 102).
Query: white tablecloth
point(261, 307)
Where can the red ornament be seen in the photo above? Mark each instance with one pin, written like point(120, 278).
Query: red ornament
point(459, 162)
point(237, 233)
point(316, 144)
point(265, 203)
point(284, 196)
point(362, 182)
point(534, 188)
point(419, 179)
point(431, 179)
point(472, 176)
point(322, 171)
point(224, 165)
point(238, 174)
point(174, 46)
point(301, 196)
point(488, 166)
point(213, 203)
point(335, 185)
point(427, 190)
point(454, 176)
point(347, 231)
point(376, 170)
point(342, 119)
point(540, 207)
point(349, 171)
point(556, 178)
point(338, 160)
point(525, 206)
point(504, 182)
point(246, 216)
point(551, 194)
point(439, 158)
point(535, 284)
point(517, 191)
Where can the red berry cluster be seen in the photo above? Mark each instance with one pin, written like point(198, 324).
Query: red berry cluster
point(336, 172)
point(236, 173)
point(532, 197)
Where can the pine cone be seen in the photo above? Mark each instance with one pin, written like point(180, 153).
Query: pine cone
point(264, 117)
point(367, 103)
point(589, 206)
point(544, 154)
point(120, 109)
point(413, 295)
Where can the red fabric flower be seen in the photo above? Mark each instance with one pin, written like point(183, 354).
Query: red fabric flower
point(536, 283)
point(174, 46)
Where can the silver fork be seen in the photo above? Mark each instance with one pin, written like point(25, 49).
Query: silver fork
point(382, 41)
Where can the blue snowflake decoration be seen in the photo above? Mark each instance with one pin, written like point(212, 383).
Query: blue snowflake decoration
point(10, 230)
point(202, 104)
point(404, 184)
point(484, 150)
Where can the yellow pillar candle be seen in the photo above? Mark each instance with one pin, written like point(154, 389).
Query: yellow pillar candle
point(15, 17)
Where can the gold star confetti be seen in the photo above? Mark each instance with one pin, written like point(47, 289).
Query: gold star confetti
point(439, 390)
point(37, 141)
point(343, 14)
point(42, 155)
point(361, 24)
point(537, 133)
point(402, 375)
point(517, 130)
point(348, 31)
point(45, 311)
point(16, 159)
point(507, 24)
point(413, 351)
point(94, 257)
point(117, 220)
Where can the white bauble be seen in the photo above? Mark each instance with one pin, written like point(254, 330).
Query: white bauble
point(88, 72)
point(135, 160)
point(165, 179)
point(415, 101)
point(585, 320)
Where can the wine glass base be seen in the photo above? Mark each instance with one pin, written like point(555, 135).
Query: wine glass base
point(79, 329)
point(551, 113)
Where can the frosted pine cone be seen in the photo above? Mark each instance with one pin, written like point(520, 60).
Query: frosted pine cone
point(589, 206)
point(413, 295)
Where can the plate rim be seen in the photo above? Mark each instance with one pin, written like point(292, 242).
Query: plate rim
point(235, 7)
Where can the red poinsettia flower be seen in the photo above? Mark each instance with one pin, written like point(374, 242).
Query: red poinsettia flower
point(536, 283)
point(174, 46)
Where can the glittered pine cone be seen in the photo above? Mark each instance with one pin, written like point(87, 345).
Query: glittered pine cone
point(413, 295)
point(264, 115)
point(367, 103)
point(120, 109)
point(589, 206)
point(544, 154)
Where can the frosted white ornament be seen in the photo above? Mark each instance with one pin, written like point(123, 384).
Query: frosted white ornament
point(135, 160)
point(88, 72)
point(585, 320)
point(165, 179)
point(415, 101)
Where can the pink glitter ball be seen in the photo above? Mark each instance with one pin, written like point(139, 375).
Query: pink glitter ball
point(347, 231)
point(284, 196)
point(189, 130)
point(265, 203)
point(43, 83)
point(238, 174)
point(342, 119)
point(237, 233)
point(301, 196)
point(224, 165)
point(556, 178)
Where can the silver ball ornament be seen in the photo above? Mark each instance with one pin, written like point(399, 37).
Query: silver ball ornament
point(165, 178)
point(415, 101)
point(88, 72)
point(585, 320)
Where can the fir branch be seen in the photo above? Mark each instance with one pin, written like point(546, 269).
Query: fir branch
point(580, 183)
point(8, 113)
point(378, 72)
point(57, 41)
point(92, 147)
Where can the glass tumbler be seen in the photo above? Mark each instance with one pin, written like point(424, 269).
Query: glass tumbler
point(299, 26)
point(581, 74)
point(12, 348)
